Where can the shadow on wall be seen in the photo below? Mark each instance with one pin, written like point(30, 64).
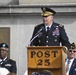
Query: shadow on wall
point(13, 2)
point(9, 2)
point(66, 19)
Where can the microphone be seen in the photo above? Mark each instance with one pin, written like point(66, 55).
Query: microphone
point(42, 28)
point(33, 39)
point(38, 34)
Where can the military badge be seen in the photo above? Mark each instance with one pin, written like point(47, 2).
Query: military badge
point(56, 31)
point(73, 45)
point(8, 65)
point(61, 25)
point(44, 9)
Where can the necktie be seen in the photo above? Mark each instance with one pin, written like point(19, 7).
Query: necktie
point(48, 30)
point(67, 66)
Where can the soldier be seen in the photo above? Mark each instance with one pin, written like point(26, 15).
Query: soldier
point(70, 62)
point(5, 62)
point(49, 33)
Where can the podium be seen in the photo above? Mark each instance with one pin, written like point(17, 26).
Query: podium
point(50, 58)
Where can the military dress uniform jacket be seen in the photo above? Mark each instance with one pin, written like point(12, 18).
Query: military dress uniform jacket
point(9, 64)
point(73, 68)
point(56, 35)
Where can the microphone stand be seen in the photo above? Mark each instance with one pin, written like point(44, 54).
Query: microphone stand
point(33, 39)
point(30, 44)
point(35, 36)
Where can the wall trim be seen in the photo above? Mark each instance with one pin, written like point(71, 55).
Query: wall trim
point(60, 8)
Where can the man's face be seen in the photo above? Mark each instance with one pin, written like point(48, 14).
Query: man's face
point(71, 53)
point(48, 19)
point(3, 52)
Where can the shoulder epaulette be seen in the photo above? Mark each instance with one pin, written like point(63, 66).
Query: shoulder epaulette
point(36, 25)
point(61, 25)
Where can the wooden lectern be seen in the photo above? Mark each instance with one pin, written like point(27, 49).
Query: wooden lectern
point(46, 58)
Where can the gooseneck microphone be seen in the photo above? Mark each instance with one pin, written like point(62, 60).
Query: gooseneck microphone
point(36, 35)
point(39, 30)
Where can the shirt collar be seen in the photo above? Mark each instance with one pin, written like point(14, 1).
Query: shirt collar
point(3, 59)
point(70, 59)
point(48, 26)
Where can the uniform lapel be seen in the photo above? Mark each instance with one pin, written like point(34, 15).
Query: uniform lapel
point(73, 65)
point(6, 60)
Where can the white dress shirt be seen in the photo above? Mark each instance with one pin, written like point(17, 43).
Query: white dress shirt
point(48, 26)
point(3, 71)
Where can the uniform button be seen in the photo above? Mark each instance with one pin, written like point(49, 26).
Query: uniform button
point(56, 36)
point(47, 36)
point(55, 40)
point(39, 41)
point(47, 41)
